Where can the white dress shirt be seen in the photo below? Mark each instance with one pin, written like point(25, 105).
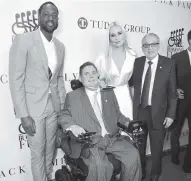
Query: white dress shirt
point(90, 95)
point(50, 52)
point(189, 54)
point(153, 72)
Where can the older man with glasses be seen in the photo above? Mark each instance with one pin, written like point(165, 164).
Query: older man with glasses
point(155, 99)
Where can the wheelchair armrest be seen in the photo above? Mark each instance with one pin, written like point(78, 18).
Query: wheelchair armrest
point(123, 127)
point(134, 126)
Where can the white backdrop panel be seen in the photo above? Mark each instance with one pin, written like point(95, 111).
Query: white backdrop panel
point(81, 45)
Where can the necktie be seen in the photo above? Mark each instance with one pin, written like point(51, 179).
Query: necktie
point(146, 87)
point(49, 73)
point(98, 114)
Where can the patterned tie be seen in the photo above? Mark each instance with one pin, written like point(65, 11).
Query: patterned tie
point(146, 87)
point(98, 114)
point(49, 73)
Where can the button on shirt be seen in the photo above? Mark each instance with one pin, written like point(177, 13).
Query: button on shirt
point(91, 97)
point(153, 72)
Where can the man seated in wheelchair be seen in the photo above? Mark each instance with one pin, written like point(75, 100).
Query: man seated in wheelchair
point(90, 109)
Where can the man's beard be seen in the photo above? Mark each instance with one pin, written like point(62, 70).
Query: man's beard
point(51, 30)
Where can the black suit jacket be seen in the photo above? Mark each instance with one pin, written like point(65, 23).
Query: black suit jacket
point(164, 95)
point(183, 69)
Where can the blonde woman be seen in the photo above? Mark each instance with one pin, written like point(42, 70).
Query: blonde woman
point(115, 67)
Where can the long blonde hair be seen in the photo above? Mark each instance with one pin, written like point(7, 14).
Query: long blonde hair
point(108, 51)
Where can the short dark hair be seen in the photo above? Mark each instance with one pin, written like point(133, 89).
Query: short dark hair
point(189, 35)
point(44, 4)
point(85, 65)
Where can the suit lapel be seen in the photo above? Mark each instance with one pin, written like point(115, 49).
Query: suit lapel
point(158, 73)
point(41, 50)
point(104, 103)
point(58, 56)
point(186, 58)
point(88, 107)
point(140, 69)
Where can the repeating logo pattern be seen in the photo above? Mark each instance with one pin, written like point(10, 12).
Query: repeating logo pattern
point(22, 137)
point(83, 23)
point(25, 22)
point(175, 43)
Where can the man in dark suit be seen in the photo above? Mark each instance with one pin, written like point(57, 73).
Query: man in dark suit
point(183, 67)
point(94, 110)
point(155, 98)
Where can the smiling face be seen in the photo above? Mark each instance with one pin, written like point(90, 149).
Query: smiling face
point(48, 18)
point(116, 36)
point(150, 46)
point(89, 77)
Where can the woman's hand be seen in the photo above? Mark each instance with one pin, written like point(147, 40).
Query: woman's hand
point(102, 84)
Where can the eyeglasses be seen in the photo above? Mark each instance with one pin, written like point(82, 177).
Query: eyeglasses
point(152, 45)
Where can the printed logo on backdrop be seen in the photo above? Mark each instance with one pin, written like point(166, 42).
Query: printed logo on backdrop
point(22, 138)
point(25, 22)
point(3, 78)
point(19, 170)
point(179, 4)
point(175, 43)
point(83, 23)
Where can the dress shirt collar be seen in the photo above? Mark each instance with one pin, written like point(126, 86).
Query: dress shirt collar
point(154, 60)
point(91, 93)
point(44, 40)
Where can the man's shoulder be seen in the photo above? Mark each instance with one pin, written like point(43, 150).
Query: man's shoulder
point(166, 60)
point(60, 43)
point(179, 54)
point(27, 34)
point(140, 58)
point(24, 39)
point(75, 93)
point(139, 61)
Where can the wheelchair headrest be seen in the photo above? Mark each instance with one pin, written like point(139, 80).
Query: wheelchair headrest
point(75, 84)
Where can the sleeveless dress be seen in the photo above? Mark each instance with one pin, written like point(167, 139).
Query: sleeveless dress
point(119, 80)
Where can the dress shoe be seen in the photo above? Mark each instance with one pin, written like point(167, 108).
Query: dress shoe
point(154, 178)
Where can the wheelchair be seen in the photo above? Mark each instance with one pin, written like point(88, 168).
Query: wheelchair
point(75, 169)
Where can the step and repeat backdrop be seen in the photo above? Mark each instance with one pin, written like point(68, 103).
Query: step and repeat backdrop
point(82, 28)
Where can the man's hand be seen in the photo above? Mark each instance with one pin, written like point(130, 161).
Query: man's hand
point(127, 123)
point(167, 122)
point(76, 130)
point(28, 125)
point(180, 93)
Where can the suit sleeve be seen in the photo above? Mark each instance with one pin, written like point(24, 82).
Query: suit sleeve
point(61, 85)
point(121, 118)
point(176, 60)
point(172, 92)
point(17, 68)
point(65, 119)
point(131, 80)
